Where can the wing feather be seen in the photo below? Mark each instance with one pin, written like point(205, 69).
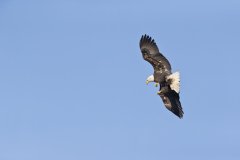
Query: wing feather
point(172, 102)
point(151, 54)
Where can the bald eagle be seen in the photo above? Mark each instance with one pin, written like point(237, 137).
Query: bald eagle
point(169, 82)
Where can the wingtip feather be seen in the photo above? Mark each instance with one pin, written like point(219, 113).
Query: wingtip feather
point(146, 40)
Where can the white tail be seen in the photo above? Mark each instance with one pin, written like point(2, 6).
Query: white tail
point(175, 81)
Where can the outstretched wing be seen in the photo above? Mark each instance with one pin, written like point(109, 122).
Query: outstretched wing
point(151, 54)
point(172, 102)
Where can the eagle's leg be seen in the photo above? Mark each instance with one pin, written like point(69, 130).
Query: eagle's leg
point(160, 91)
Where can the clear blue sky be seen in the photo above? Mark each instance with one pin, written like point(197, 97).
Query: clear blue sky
point(72, 80)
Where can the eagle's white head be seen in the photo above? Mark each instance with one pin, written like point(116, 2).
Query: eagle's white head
point(150, 79)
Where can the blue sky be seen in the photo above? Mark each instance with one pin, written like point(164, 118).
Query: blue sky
point(72, 80)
